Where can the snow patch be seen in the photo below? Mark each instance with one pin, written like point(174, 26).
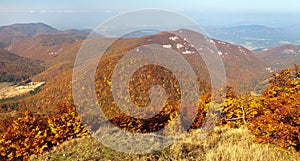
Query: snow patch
point(242, 51)
point(211, 41)
point(289, 51)
point(187, 52)
point(179, 46)
point(269, 69)
point(221, 42)
point(173, 38)
point(52, 53)
point(167, 46)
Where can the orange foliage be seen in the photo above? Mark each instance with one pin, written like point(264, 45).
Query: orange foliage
point(32, 134)
point(279, 119)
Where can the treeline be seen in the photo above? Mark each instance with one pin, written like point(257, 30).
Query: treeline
point(5, 77)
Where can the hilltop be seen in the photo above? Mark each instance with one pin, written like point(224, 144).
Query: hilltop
point(11, 32)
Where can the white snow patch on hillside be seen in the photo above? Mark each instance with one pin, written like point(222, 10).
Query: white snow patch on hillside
point(187, 52)
point(167, 46)
point(173, 38)
point(179, 46)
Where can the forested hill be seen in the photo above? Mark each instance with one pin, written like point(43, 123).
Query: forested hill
point(14, 68)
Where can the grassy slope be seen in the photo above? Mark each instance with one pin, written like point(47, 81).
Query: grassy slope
point(223, 145)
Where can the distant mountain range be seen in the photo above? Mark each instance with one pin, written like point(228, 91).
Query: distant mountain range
point(255, 37)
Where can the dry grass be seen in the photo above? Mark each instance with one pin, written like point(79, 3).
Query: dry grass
point(223, 145)
point(10, 91)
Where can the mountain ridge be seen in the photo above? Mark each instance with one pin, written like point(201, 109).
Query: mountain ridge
point(15, 32)
point(280, 57)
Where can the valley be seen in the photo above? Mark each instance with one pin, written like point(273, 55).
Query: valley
point(257, 38)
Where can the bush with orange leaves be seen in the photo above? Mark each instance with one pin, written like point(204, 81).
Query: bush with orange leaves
point(279, 119)
point(273, 117)
point(65, 125)
point(27, 135)
point(32, 134)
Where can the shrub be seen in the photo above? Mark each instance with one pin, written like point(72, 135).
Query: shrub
point(32, 134)
point(279, 116)
point(65, 125)
point(27, 135)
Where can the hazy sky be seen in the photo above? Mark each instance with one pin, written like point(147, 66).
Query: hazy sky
point(86, 14)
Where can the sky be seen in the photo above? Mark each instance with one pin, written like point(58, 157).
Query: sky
point(65, 14)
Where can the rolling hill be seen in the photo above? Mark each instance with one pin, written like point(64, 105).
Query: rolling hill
point(281, 57)
point(11, 32)
point(37, 40)
point(45, 46)
point(14, 68)
point(243, 70)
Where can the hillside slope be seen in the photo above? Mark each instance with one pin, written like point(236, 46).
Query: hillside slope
point(44, 46)
point(14, 68)
point(15, 31)
point(38, 40)
point(243, 69)
point(281, 57)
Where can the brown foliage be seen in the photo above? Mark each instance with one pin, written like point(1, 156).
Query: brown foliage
point(32, 134)
point(279, 119)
